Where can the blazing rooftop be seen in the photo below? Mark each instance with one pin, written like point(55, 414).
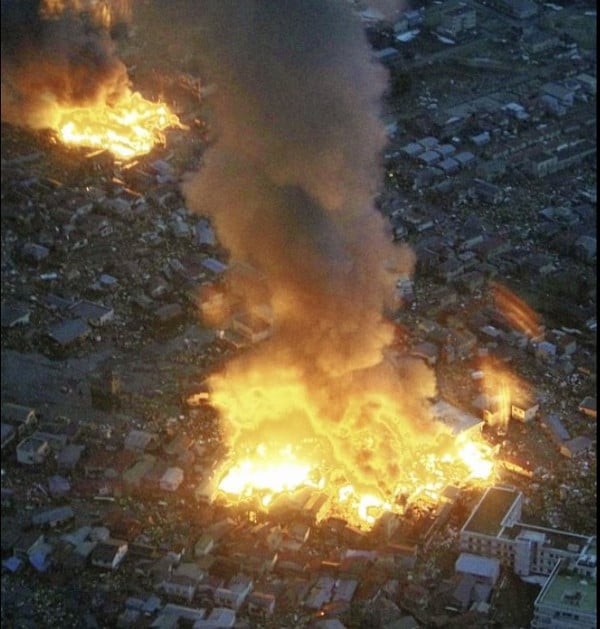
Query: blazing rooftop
point(130, 127)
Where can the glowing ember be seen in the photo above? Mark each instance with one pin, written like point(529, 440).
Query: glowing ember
point(476, 457)
point(264, 473)
point(130, 127)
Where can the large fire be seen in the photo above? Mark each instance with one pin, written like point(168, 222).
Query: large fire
point(343, 460)
point(61, 71)
point(129, 128)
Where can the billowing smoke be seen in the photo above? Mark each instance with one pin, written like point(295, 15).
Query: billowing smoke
point(59, 54)
point(290, 184)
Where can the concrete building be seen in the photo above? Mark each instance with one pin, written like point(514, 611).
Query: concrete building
point(566, 601)
point(494, 530)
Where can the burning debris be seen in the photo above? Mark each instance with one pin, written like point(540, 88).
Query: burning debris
point(290, 186)
point(60, 71)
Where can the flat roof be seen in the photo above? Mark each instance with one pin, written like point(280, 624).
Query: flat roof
point(569, 591)
point(487, 517)
point(561, 540)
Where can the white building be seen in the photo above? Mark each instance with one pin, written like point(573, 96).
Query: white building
point(566, 601)
point(494, 530)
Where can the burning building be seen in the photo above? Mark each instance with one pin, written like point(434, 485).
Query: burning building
point(289, 186)
point(61, 71)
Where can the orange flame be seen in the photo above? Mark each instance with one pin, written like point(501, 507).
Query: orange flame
point(422, 469)
point(129, 128)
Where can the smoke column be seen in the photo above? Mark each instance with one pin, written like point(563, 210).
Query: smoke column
point(291, 181)
point(56, 54)
point(289, 185)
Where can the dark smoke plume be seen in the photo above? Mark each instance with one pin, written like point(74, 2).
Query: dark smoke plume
point(58, 54)
point(291, 180)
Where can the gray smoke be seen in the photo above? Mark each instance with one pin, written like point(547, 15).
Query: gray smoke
point(291, 179)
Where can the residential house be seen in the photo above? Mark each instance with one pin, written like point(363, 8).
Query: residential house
point(32, 451)
point(587, 406)
point(477, 577)
point(450, 269)
point(487, 192)
point(539, 41)
point(95, 314)
point(427, 351)
point(261, 606)
point(53, 518)
point(216, 267)
point(523, 409)
point(541, 163)
point(471, 281)
point(566, 344)
point(587, 82)
point(134, 475)
point(491, 247)
point(235, 593)
point(205, 235)
point(564, 95)
point(412, 150)
point(204, 545)
point(69, 456)
point(218, 618)
point(140, 441)
point(172, 616)
point(23, 418)
point(555, 428)
point(442, 297)
point(109, 554)
point(171, 479)
point(576, 447)
point(58, 485)
point(344, 590)
point(180, 586)
point(545, 351)
point(67, 332)
point(460, 344)
point(320, 593)
point(168, 314)
point(253, 328)
point(26, 543)
point(34, 253)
